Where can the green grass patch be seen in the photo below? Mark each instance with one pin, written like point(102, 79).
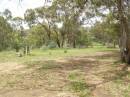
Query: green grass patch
point(127, 92)
point(39, 54)
point(78, 84)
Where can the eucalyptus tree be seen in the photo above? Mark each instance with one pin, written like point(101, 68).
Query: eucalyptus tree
point(37, 36)
point(30, 17)
point(123, 16)
point(17, 24)
point(44, 18)
point(47, 18)
point(5, 34)
point(106, 32)
point(39, 16)
point(7, 14)
point(120, 10)
point(62, 12)
point(68, 14)
point(21, 35)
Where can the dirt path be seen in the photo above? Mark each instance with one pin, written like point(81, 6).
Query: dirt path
point(35, 93)
point(9, 67)
point(50, 81)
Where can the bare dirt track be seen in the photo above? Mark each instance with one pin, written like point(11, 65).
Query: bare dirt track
point(100, 70)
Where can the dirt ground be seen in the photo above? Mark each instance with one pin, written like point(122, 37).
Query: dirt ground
point(100, 70)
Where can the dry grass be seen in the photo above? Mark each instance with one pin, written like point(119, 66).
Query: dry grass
point(93, 75)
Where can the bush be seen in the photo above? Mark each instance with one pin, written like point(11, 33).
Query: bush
point(65, 51)
point(52, 45)
point(44, 47)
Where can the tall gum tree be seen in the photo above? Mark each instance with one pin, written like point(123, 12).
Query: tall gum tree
point(122, 9)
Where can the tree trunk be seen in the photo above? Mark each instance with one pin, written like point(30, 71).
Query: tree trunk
point(24, 50)
point(124, 38)
point(63, 40)
point(28, 49)
point(114, 44)
point(57, 39)
point(74, 43)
